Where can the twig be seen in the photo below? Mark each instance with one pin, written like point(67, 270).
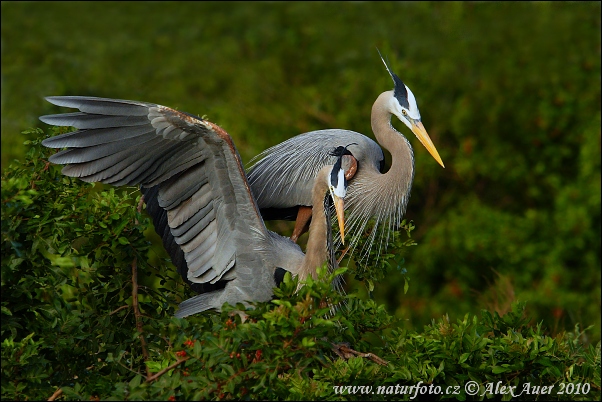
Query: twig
point(140, 206)
point(343, 253)
point(166, 369)
point(127, 368)
point(345, 352)
point(120, 308)
point(56, 394)
point(137, 312)
point(135, 299)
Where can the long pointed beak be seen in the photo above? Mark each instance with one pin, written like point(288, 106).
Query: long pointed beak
point(339, 206)
point(420, 132)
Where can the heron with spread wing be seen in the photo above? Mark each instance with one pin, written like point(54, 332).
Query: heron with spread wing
point(284, 191)
point(196, 190)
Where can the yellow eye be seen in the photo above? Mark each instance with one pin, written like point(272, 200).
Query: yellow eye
point(403, 111)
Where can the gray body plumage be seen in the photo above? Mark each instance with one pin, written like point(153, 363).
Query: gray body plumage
point(282, 185)
point(196, 189)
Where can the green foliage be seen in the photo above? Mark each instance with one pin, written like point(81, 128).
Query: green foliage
point(68, 322)
point(66, 258)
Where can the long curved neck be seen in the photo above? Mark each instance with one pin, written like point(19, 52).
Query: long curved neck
point(402, 156)
point(316, 252)
point(392, 187)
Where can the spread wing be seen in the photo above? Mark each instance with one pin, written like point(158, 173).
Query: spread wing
point(191, 164)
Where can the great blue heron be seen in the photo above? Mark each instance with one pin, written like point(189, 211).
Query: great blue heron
point(283, 191)
point(196, 190)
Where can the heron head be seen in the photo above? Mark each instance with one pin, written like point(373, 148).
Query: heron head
point(338, 178)
point(402, 104)
point(337, 186)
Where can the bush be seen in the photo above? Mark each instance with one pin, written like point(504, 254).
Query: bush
point(85, 316)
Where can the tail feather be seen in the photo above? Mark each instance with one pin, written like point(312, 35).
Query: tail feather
point(197, 304)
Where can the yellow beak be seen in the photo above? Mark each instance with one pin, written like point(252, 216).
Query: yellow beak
point(420, 132)
point(339, 206)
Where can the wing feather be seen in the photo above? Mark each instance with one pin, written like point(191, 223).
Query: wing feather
point(115, 107)
point(79, 155)
point(182, 230)
point(96, 136)
point(117, 169)
point(86, 120)
point(184, 186)
point(200, 200)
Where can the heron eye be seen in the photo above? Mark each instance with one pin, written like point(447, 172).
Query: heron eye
point(403, 111)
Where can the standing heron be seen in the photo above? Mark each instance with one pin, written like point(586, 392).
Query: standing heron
point(196, 190)
point(284, 191)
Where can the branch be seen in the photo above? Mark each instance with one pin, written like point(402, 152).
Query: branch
point(135, 300)
point(127, 368)
point(140, 203)
point(56, 394)
point(137, 312)
point(120, 308)
point(345, 352)
point(166, 369)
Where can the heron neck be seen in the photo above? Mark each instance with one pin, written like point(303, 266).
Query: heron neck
point(401, 173)
point(316, 252)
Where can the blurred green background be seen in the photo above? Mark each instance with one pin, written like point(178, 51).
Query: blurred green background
point(509, 93)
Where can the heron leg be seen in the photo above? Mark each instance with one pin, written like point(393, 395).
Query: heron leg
point(343, 253)
point(301, 223)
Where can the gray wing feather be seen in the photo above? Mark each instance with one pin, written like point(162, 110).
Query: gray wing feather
point(79, 155)
point(199, 303)
point(115, 107)
point(211, 213)
point(184, 186)
point(86, 121)
point(88, 138)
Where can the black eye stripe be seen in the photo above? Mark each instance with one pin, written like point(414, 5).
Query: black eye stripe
point(339, 151)
point(334, 174)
